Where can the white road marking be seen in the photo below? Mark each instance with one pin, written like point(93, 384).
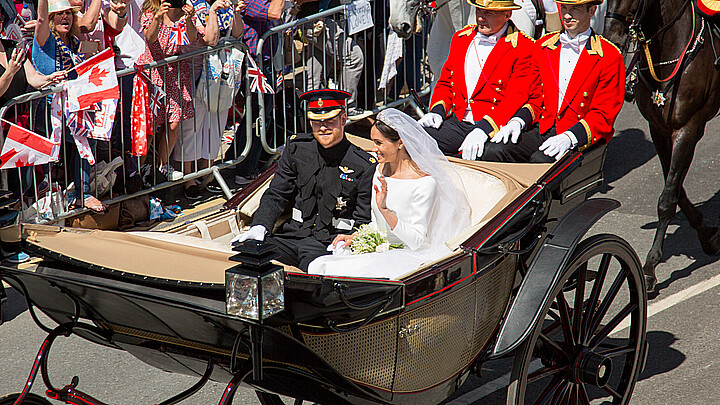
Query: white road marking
point(653, 309)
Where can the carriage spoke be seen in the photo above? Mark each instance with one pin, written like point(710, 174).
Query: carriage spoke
point(553, 345)
point(550, 389)
point(612, 392)
point(595, 294)
point(561, 393)
point(565, 319)
point(617, 351)
point(545, 372)
point(605, 305)
point(584, 399)
point(629, 308)
point(579, 301)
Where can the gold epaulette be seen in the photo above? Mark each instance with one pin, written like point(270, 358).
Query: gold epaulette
point(609, 42)
point(595, 46)
point(466, 30)
point(552, 40)
point(512, 38)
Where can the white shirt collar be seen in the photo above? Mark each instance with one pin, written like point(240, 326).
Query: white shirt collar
point(492, 39)
point(577, 43)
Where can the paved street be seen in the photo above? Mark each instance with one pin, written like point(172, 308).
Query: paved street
point(683, 327)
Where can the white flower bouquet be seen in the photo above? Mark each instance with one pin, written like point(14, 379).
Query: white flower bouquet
point(369, 239)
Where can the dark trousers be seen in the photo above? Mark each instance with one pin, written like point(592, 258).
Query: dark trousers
point(451, 134)
point(524, 151)
point(298, 252)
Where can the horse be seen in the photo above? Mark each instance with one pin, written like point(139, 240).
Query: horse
point(677, 91)
point(407, 17)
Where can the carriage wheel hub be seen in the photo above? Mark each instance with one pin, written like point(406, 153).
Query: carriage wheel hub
point(591, 368)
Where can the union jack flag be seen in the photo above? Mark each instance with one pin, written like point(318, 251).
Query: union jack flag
point(279, 82)
point(157, 97)
point(259, 83)
point(178, 34)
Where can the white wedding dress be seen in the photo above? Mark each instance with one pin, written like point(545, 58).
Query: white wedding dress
point(413, 201)
point(430, 210)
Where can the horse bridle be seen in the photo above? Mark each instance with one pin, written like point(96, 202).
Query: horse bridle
point(637, 36)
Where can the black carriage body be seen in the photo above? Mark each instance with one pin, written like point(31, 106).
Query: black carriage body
point(333, 343)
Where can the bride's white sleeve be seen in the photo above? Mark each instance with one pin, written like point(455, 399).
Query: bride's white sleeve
point(412, 229)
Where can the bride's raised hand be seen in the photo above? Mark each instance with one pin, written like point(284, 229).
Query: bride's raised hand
point(346, 240)
point(381, 193)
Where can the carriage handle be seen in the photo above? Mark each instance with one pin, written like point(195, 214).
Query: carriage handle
point(381, 304)
point(503, 246)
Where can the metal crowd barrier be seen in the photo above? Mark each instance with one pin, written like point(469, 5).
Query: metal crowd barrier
point(36, 106)
point(322, 38)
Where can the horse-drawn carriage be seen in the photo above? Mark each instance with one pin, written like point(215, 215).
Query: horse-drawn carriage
point(524, 281)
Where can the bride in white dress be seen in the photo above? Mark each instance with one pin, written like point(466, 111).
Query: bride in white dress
point(418, 201)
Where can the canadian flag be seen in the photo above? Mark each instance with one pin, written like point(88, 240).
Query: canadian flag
point(96, 81)
point(24, 148)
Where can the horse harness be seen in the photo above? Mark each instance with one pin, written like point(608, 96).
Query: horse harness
point(637, 37)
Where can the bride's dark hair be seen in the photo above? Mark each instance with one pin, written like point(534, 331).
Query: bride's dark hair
point(388, 132)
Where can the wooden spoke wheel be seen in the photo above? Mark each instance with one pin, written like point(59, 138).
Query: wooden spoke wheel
point(590, 341)
point(30, 399)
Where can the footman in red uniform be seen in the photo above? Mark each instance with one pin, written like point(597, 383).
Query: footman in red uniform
point(485, 80)
point(582, 83)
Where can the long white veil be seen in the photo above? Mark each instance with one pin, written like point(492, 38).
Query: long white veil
point(451, 213)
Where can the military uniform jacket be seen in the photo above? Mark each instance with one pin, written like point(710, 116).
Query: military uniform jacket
point(504, 85)
point(594, 94)
point(327, 190)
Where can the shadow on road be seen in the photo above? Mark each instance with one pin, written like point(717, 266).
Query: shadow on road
point(14, 306)
point(684, 242)
point(661, 357)
point(628, 150)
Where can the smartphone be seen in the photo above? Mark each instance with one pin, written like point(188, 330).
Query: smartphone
point(176, 3)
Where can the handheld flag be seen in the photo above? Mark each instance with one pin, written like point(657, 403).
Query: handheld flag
point(96, 81)
point(259, 83)
point(178, 34)
point(23, 147)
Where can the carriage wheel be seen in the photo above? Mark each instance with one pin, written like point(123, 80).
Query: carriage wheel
point(30, 399)
point(590, 343)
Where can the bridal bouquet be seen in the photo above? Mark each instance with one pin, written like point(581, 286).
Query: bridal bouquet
point(370, 239)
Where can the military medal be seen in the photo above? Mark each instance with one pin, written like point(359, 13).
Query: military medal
point(341, 203)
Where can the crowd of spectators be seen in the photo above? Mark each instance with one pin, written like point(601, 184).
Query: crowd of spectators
point(186, 132)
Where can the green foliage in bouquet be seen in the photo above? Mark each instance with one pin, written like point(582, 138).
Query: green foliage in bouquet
point(369, 239)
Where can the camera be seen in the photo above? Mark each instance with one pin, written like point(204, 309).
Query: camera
point(176, 3)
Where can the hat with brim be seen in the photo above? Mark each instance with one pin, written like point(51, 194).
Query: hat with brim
point(324, 104)
point(579, 2)
point(56, 6)
point(495, 5)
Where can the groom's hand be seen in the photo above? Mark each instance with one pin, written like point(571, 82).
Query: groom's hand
point(256, 232)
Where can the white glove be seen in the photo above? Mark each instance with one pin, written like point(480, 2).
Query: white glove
point(556, 145)
point(338, 250)
point(433, 120)
point(474, 144)
point(510, 131)
point(256, 232)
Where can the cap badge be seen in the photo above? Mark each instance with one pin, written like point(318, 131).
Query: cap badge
point(320, 102)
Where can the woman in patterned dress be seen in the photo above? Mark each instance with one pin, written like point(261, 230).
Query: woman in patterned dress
point(161, 24)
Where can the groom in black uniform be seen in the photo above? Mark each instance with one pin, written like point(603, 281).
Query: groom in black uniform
point(322, 178)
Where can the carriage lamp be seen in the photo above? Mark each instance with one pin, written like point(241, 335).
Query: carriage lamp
point(254, 289)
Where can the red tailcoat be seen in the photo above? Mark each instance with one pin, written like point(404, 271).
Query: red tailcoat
point(504, 85)
point(594, 94)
